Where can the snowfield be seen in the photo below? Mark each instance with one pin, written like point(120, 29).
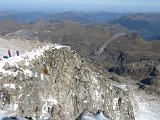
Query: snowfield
point(148, 106)
point(28, 57)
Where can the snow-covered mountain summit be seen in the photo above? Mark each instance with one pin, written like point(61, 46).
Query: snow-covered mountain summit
point(54, 82)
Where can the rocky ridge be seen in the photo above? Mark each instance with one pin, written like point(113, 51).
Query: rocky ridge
point(55, 83)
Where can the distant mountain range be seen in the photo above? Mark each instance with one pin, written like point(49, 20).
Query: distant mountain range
point(21, 17)
point(146, 25)
point(82, 17)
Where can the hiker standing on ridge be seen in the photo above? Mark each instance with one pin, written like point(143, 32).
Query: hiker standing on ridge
point(17, 51)
point(9, 53)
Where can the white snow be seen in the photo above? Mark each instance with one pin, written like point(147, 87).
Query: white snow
point(28, 95)
point(42, 77)
point(148, 106)
point(20, 87)
point(96, 96)
point(20, 96)
point(15, 107)
point(46, 31)
point(100, 116)
point(27, 57)
point(12, 86)
point(87, 118)
point(27, 72)
point(94, 77)
point(27, 62)
point(115, 101)
point(122, 86)
point(50, 102)
point(58, 46)
point(85, 101)
point(2, 114)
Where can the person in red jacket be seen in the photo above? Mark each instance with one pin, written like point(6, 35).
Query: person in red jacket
point(9, 53)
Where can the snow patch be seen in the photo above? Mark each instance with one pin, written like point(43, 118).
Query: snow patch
point(115, 101)
point(15, 107)
point(27, 72)
point(58, 46)
point(19, 96)
point(27, 57)
point(12, 86)
point(2, 114)
point(50, 102)
point(85, 117)
point(124, 87)
point(42, 77)
point(100, 116)
point(95, 87)
point(85, 101)
point(27, 63)
point(148, 106)
point(20, 87)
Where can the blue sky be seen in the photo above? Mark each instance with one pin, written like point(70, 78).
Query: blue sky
point(107, 2)
point(83, 5)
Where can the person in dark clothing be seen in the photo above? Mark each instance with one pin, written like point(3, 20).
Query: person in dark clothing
point(9, 53)
point(17, 52)
point(6, 57)
point(0, 57)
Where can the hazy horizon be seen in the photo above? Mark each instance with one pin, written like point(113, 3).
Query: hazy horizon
point(83, 5)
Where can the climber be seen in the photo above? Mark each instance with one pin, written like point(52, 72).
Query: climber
point(6, 57)
point(17, 52)
point(9, 53)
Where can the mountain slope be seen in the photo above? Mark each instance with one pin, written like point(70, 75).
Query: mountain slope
point(127, 48)
point(147, 24)
point(7, 26)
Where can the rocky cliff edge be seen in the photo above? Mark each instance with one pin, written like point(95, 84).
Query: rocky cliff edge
point(55, 83)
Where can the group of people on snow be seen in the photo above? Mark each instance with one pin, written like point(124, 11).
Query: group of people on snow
point(9, 54)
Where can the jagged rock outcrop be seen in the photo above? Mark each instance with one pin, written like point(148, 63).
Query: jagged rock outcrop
point(55, 83)
point(146, 73)
point(138, 70)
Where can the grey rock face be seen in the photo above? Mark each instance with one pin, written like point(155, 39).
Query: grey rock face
point(6, 67)
point(59, 85)
point(146, 73)
point(158, 69)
